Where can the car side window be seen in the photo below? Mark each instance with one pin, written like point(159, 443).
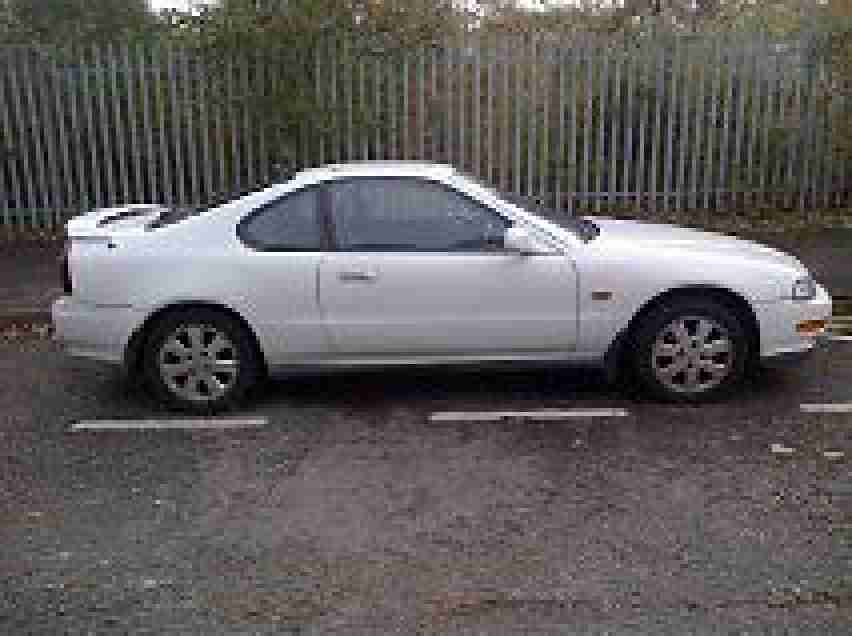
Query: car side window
point(409, 214)
point(289, 224)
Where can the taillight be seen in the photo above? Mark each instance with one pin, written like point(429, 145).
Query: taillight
point(66, 270)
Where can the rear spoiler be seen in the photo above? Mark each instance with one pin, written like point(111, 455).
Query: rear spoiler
point(104, 223)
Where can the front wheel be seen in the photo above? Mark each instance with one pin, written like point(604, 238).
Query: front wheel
point(690, 351)
point(200, 361)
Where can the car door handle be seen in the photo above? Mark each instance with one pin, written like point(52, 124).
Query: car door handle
point(355, 275)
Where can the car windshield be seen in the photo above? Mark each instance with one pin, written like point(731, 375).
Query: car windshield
point(584, 228)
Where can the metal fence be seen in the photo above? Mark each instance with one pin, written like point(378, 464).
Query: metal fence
point(663, 123)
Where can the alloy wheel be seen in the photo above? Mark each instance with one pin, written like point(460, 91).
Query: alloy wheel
point(198, 363)
point(692, 355)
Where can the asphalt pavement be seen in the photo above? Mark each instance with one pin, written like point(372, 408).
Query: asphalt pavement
point(351, 512)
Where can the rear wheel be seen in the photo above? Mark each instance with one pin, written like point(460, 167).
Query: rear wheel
point(201, 361)
point(690, 351)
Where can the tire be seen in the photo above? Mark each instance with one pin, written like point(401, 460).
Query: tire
point(200, 361)
point(690, 351)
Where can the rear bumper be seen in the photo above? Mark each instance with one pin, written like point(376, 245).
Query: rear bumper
point(94, 331)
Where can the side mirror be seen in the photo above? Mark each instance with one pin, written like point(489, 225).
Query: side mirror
point(518, 239)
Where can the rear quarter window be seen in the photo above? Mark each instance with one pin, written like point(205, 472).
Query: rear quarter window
point(288, 224)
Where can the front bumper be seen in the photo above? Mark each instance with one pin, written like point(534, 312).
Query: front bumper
point(780, 343)
point(94, 331)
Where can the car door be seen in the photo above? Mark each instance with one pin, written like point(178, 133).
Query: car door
point(276, 275)
point(418, 268)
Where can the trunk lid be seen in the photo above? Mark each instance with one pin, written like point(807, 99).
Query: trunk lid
point(107, 223)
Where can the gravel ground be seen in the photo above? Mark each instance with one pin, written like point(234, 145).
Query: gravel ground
point(350, 513)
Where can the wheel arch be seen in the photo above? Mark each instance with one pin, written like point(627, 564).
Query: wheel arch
point(724, 296)
point(136, 344)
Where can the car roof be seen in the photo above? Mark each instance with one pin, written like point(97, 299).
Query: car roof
point(380, 168)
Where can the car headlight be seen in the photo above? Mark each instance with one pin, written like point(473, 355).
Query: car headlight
point(804, 289)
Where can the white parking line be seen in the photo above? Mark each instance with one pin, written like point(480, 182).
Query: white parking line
point(827, 408)
point(170, 424)
point(545, 414)
point(839, 338)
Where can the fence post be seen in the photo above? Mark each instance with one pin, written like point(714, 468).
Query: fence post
point(600, 150)
point(682, 200)
point(671, 117)
point(724, 148)
point(656, 141)
point(617, 114)
point(43, 152)
point(66, 174)
point(710, 183)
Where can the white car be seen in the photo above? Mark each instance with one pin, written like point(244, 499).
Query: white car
point(414, 263)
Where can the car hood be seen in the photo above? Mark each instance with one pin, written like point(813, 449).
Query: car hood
point(658, 236)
